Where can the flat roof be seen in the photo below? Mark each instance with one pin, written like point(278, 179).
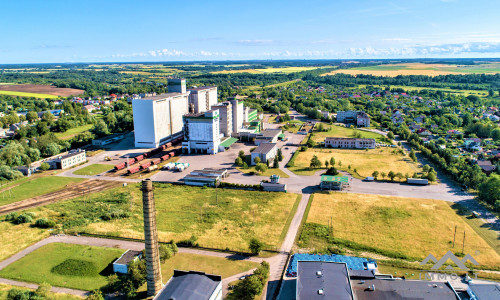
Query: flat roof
point(264, 148)
point(162, 96)
point(200, 88)
point(349, 139)
point(190, 285)
point(323, 280)
point(331, 178)
point(388, 289)
point(489, 291)
point(127, 257)
point(228, 142)
point(270, 133)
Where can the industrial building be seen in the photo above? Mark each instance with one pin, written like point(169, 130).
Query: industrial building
point(329, 182)
point(205, 177)
point(268, 136)
point(358, 118)
point(226, 117)
point(71, 159)
point(202, 98)
point(158, 119)
point(191, 285)
point(265, 151)
point(238, 114)
point(201, 132)
point(121, 264)
point(351, 143)
point(323, 280)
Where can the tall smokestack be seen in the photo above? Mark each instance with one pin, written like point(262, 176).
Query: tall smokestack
point(153, 276)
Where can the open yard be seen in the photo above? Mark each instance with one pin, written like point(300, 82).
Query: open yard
point(411, 227)
point(222, 218)
point(15, 238)
point(208, 264)
point(363, 161)
point(44, 91)
point(392, 70)
point(73, 132)
point(65, 265)
point(341, 131)
point(93, 169)
point(36, 187)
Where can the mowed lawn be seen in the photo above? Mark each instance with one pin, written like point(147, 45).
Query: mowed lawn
point(204, 263)
point(38, 266)
point(364, 161)
point(341, 131)
point(93, 169)
point(184, 211)
point(413, 226)
point(73, 132)
point(23, 94)
point(36, 187)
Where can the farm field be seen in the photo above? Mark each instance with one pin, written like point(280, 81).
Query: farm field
point(73, 132)
point(36, 187)
point(46, 91)
point(93, 169)
point(341, 131)
point(23, 94)
point(185, 211)
point(364, 161)
point(65, 265)
point(268, 70)
point(446, 90)
point(392, 70)
point(208, 264)
point(421, 226)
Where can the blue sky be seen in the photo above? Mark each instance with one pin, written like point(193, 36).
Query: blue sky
point(115, 31)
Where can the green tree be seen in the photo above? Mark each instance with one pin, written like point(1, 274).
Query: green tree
point(256, 160)
point(390, 135)
point(238, 161)
point(383, 175)
point(100, 128)
point(52, 149)
point(489, 190)
point(95, 295)
point(261, 168)
point(399, 175)
point(375, 174)
point(315, 162)
point(426, 168)
point(432, 176)
point(31, 116)
point(48, 117)
point(276, 163)
point(280, 154)
point(255, 246)
point(44, 166)
point(332, 161)
point(310, 143)
point(245, 165)
point(241, 155)
point(391, 175)
point(412, 155)
point(326, 163)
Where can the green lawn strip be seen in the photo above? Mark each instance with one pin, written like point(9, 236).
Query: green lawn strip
point(93, 169)
point(36, 187)
point(50, 264)
point(73, 131)
point(304, 218)
point(289, 220)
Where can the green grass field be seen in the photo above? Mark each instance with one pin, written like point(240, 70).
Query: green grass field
point(183, 211)
point(40, 266)
point(93, 169)
point(410, 226)
point(4, 290)
point(208, 264)
point(36, 187)
point(22, 94)
point(341, 131)
point(364, 161)
point(17, 237)
point(73, 132)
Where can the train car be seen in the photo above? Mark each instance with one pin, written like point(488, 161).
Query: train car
point(133, 170)
point(172, 154)
point(131, 161)
point(139, 158)
point(145, 166)
point(165, 157)
point(156, 161)
point(120, 166)
point(152, 168)
point(167, 145)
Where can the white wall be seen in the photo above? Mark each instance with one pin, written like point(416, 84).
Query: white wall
point(144, 128)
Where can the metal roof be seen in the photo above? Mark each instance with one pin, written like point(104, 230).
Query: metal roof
point(331, 178)
point(264, 148)
point(190, 285)
point(228, 142)
point(127, 257)
point(323, 280)
point(388, 289)
point(486, 291)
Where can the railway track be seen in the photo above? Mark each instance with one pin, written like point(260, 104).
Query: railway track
point(69, 192)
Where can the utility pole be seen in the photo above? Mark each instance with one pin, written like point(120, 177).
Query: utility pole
point(454, 235)
point(463, 243)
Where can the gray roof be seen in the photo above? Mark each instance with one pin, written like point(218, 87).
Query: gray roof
point(333, 281)
point(127, 257)
point(162, 96)
point(486, 291)
point(190, 285)
point(200, 88)
point(390, 289)
point(264, 148)
point(269, 133)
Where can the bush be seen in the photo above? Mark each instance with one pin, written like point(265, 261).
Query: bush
point(75, 267)
point(24, 218)
point(44, 166)
point(11, 217)
point(255, 246)
point(332, 171)
point(45, 223)
point(9, 173)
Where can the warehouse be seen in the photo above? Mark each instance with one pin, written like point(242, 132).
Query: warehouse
point(265, 151)
point(191, 285)
point(268, 136)
point(323, 280)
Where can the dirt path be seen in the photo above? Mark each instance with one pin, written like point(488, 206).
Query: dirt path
point(71, 191)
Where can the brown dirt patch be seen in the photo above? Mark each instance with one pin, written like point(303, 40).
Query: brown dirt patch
point(42, 89)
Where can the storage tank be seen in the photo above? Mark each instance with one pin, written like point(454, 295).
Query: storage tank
point(152, 168)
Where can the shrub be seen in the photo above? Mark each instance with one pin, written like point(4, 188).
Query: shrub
point(255, 246)
point(24, 218)
point(11, 217)
point(75, 267)
point(45, 223)
point(44, 166)
point(332, 171)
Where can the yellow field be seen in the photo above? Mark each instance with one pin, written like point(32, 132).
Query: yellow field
point(413, 226)
point(17, 237)
point(267, 70)
point(23, 94)
point(392, 70)
point(365, 162)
